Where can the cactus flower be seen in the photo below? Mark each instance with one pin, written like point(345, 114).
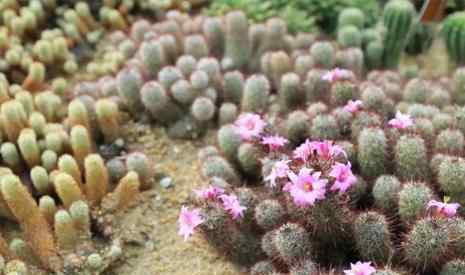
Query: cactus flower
point(336, 74)
point(306, 187)
point(209, 193)
point(353, 106)
point(249, 126)
point(188, 221)
point(327, 150)
point(232, 205)
point(360, 268)
point(401, 121)
point(274, 142)
point(303, 151)
point(279, 170)
point(344, 177)
point(448, 210)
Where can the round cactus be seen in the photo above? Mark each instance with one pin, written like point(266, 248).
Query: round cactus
point(262, 268)
point(291, 242)
point(413, 199)
point(411, 158)
point(385, 192)
point(450, 142)
point(323, 54)
point(229, 141)
point(269, 214)
point(248, 156)
point(454, 267)
point(426, 245)
point(203, 109)
point(372, 152)
point(351, 17)
point(349, 36)
point(297, 127)
point(324, 127)
point(451, 176)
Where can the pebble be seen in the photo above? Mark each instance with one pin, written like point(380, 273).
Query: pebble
point(166, 182)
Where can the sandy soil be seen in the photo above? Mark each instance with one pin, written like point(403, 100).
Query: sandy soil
point(151, 226)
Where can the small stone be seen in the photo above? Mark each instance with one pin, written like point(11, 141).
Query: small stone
point(166, 182)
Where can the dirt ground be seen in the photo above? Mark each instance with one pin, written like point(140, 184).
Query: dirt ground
point(151, 226)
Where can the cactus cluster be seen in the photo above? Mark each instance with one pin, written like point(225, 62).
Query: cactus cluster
point(321, 166)
point(58, 176)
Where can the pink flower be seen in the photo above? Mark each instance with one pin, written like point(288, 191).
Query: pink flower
point(231, 204)
point(188, 221)
point(327, 150)
point(279, 170)
point(306, 188)
point(209, 193)
point(448, 210)
point(303, 151)
point(344, 177)
point(274, 142)
point(401, 121)
point(249, 125)
point(353, 106)
point(360, 269)
point(337, 74)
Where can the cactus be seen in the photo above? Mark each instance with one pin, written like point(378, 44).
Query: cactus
point(412, 201)
point(256, 92)
point(237, 43)
point(248, 158)
point(97, 180)
point(203, 109)
point(450, 142)
point(411, 158)
point(398, 16)
point(426, 244)
point(291, 242)
point(27, 143)
point(108, 119)
point(81, 143)
point(372, 152)
point(127, 190)
point(349, 36)
point(454, 267)
point(65, 232)
point(452, 29)
point(290, 92)
point(372, 237)
point(34, 225)
point(351, 17)
point(80, 214)
point(323, 54)
point(139, 163)
point(67, 188)
point(385, 192)
point(129, 84)
point(297, 126)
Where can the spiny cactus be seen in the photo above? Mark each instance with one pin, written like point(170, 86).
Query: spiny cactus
point(453, 26)
point(398, 16)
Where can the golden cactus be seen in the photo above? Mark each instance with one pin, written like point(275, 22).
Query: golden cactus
point(96, 175)
point(67, 189)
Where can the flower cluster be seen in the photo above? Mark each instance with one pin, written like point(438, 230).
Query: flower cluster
point(191, 219)
point(360, 268)
point(401, 121)
point(337, 74)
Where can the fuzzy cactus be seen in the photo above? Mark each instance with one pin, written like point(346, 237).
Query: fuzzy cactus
point(411, 158)
point(413, 199)
point(372, 237)
point(256, 92)
point(372, 152)
point(237, 43)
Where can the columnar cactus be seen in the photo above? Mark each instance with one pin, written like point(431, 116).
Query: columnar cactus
point(452, 28)
point(398, 16)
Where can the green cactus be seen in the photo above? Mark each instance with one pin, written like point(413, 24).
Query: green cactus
point(349, 36)
point(291, 242)
point(426, 245)
point(263, 268)
point(398, 16)
point(229, 141)
point(196, 46)
point(372, 237)
point(453, 267)
point(452, 32)
point(351, 17)
point(411, 158)
point(186, 64)
point(256, 92)
point(297, 127)
point(248, 156)
point(237, 43)
point(324, 127)
point(413, 199)
point(372, 152)
point(450, 142)
point(269, 214)
point(385, 192)
point(323, 54)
